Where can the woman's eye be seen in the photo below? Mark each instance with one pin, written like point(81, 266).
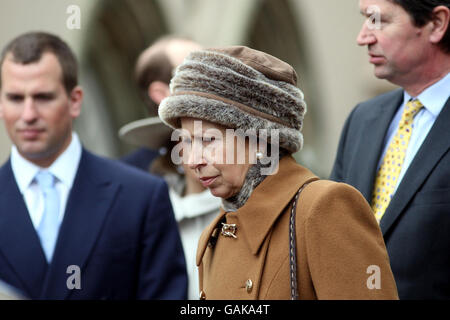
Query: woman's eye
point(209, 139)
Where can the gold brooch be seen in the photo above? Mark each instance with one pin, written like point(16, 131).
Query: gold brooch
point(229, 230)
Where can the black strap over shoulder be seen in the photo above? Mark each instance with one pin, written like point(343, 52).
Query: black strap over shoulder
point(293, 247)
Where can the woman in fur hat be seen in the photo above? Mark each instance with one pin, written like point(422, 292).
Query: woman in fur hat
point(282, 233)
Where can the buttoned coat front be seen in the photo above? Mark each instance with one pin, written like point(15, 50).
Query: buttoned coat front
point(340, 250)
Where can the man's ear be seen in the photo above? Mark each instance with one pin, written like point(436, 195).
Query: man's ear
point(440, 23)
point(157, 91)
point(75, 101)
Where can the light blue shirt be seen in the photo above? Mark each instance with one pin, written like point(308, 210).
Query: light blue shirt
point(433, 100)
point(64, 168)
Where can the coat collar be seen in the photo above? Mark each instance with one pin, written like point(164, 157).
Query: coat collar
point(267, 202)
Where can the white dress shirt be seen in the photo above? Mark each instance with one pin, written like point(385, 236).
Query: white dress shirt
point(64, 169)
point(193, 214)
point(433, 100)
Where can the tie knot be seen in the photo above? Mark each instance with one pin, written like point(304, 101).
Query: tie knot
point(411, 109)
point(45, 179)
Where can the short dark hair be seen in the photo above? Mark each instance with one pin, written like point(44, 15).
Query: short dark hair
point(421, 12)
point(29, 48)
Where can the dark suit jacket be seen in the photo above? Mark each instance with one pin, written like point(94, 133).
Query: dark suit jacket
point(416, 225)
point(118, 228)
point(141, 158)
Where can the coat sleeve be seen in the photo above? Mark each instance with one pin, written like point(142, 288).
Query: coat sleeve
point(338, 170)
point(162, 270)
point(344, 247)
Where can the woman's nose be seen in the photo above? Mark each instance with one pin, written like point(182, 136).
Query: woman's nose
point(195, 157)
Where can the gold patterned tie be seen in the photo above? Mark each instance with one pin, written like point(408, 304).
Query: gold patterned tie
point(392, 163)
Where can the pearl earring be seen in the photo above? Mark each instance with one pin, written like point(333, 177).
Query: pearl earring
point(259, 155)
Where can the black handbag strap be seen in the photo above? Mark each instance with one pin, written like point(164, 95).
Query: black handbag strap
point(293, 247)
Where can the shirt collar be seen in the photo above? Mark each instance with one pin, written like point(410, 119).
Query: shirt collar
point(434, 97)
point(64, 168)
point(194, 205)
point(24, 170)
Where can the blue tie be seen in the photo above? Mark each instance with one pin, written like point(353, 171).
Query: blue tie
point(49, 226)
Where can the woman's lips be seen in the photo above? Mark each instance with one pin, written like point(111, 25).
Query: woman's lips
point(207, 181)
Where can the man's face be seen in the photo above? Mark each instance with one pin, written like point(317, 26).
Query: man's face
point(396, 47)
point(36, 108)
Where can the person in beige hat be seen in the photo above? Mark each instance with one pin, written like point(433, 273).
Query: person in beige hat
point(193, 205)
point(282, 233)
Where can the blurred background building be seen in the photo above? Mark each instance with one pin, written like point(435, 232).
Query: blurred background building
point(316, 37)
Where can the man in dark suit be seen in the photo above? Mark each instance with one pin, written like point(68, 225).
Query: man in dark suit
point(395, 148)
point(74, 225)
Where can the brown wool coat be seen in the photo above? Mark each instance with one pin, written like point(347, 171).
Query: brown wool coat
point(338, 238)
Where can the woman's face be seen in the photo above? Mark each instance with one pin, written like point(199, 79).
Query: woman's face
point(205, 149)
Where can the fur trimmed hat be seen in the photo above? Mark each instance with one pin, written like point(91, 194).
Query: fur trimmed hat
point(239, 88)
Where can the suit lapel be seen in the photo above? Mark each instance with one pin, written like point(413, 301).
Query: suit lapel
point(19, 242)
point(90, 199)
point(433, 148)
point(372, 142)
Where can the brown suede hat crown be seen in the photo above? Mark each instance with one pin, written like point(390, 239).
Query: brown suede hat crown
point(240, 88)
point(273, 68)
